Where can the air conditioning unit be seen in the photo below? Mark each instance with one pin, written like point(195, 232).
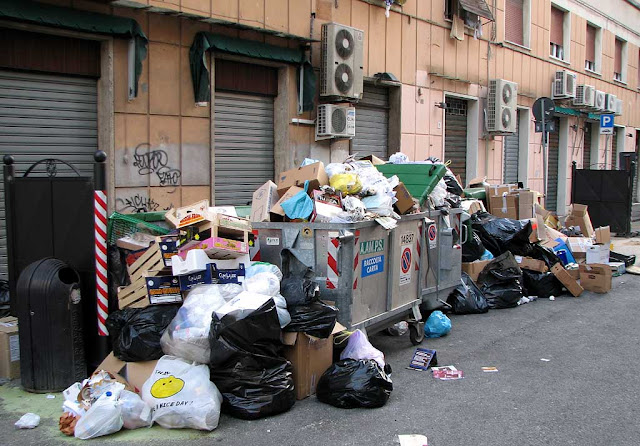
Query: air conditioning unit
point(342, 53)
point(564, 85)
point(610, 103)
point(335, 121)
point(599, 101)
point(585, 96)
point(502, 106)
point(619, 107)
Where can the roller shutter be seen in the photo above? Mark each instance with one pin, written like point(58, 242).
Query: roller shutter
point(455, 137)
point(551, 202)
point(372, 123)
point(46, 116)
point(511, 154)
point(244, 154)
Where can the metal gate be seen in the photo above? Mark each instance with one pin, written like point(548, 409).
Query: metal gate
point(608, 193)
point(45, 116)
point(372, 123)
point(551, 200)
point(244, 154)
point(511, 154)
point(586, 146)
point(455, 137)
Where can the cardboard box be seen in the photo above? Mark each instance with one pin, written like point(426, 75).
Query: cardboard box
point(188, 281)
point(374, 160)
point(314, 173)
point(597, 254)
point(310, 358)
point(264, 198)
point(596, 277)
point(618, 268)
point(579, 246)
point(579, 216)
point(163, 289)
point(603, 235)
point(9, 348)
point(531, 264)
point(526, 199)
point(189, 215)
point(471, 206)
point(473, 269)
point(132, 374)
point(168, 248)
point(219, 248)
point(534, 237)
point(405, 200)
point(565, 278)
point(325, 207)
point(277, 210)
point(505, 206)
point(573, 270)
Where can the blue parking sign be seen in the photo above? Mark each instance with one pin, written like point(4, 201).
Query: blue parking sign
point(606, 124)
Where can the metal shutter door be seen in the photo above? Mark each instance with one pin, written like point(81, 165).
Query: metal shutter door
point(586, 151)
point(243, 146)
point(551, 202)
point(455, 137)
point(46, 116)
point(372, 123)
point(511, 154)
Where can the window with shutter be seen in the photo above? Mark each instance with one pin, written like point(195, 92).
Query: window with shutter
point(557, 33)
point(590, 55)
point(617, 62)
point(514, 21)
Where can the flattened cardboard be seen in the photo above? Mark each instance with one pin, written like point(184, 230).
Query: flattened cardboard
point(405, 200)
point(473, 269)
point(565, 278)
point(136, 373)
point(603, 235)
point(264, 198)
point(531, 264)
point(596, 277)
point(296, 177)
point(9, 348)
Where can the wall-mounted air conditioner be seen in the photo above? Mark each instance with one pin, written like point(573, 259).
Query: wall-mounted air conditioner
point(563, 85)
point(585, 96)
point(342, 54)
point(335, 121)
point(502, 104)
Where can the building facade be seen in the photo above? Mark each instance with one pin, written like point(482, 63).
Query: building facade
point(67, 91)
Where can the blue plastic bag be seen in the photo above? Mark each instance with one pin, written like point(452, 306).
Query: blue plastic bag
point(486, 255)
point(300, 205)
point(437, 325)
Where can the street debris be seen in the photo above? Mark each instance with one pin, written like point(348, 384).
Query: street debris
point(28, 421)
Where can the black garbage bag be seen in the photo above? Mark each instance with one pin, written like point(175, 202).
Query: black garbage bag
point(298, 290)
point(118, 274)
point(257, 333)
point(545, 254)
point(135, 332)
point(501, 282)
point(354, 383)
point(254, 386)
point(246, 366)
point(453, 187)
point(316, 319)
point(542, 285)
point(467, 298)
point(500, 235)
point(473, 249)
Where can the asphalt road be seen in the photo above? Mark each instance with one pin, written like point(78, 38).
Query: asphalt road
point(587, 392)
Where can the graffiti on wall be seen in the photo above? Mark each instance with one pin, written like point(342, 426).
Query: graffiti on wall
point(138, 203)
point(155, 162)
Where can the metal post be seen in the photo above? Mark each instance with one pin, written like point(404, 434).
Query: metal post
point(606, 151)
point(632, 173)
point(544, 157)
point(574, 166)
point(100, 216)
point(9, 171)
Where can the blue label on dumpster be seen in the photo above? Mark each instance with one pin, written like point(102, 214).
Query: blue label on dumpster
point(372, 265)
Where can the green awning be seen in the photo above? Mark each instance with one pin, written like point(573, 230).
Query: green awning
point(205, 41)
point(76, 20)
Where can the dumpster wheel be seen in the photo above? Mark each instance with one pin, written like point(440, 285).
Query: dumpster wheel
point(416, 332)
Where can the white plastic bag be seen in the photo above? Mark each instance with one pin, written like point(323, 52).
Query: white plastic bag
point(242, 305)
point(398, 158)
point(265, 283)
point(188, 333)
point(182, 396)
point(262, 267)
point(135, 412)
point(359, 347)
point(28, 421)
point(104, 417)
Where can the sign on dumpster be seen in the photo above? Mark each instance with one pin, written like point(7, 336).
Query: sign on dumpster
point(433, 236)
point(372, 265)
point(405, 265)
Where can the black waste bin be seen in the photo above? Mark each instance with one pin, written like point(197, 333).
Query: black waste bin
point(50, 322)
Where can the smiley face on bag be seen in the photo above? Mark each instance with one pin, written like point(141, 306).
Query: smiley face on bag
point(166, 387)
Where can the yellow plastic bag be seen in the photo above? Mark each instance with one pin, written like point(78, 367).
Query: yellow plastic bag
point(347, 183)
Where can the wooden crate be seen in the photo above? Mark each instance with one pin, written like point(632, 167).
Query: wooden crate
point(135, 294)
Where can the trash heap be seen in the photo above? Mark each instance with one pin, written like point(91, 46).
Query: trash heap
point(201, 330)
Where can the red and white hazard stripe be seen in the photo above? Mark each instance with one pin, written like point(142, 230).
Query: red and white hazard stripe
point(254, 251)
point(418, 246)
point(332, 263)
point(100, 225)
point(356, 258)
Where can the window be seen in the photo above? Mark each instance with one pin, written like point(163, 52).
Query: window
point(517, 21)
point(620, 61)
point(590, 55)
point(560, 34)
